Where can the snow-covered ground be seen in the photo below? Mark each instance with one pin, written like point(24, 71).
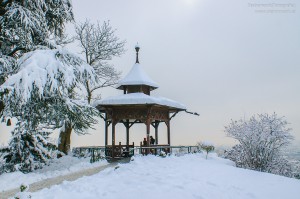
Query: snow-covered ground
point(189, 176)
point(58, 167)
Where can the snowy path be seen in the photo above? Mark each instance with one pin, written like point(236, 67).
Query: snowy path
point(57, 180)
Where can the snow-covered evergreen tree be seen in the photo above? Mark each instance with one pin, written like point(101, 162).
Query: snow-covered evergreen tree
point(41, 82)
point(44, 94)
point(28, 149)
point(3, 152)
point(7, 67)
point(261, 141)
point(25, 25)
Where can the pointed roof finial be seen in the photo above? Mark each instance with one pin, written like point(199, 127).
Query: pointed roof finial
point(137, 48)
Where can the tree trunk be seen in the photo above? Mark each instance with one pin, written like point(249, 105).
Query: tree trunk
point(1, 107)
point(89, 92)
point(65, 138)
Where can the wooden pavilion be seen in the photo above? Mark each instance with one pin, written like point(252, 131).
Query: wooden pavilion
point(136, 105)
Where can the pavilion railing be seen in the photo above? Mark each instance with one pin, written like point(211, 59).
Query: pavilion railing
point(166, 149)
point(119, 151)
point(97, 153)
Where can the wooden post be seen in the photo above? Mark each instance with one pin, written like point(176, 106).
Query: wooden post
point(106, 130)
point(113, 133)
point(156, 132)
point(148, 135)
point(148, 123)
point(168, 130)
point(127, 133)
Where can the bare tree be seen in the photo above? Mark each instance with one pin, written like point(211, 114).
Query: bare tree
point(99, 44)
point(261, 142)
point(207, 147)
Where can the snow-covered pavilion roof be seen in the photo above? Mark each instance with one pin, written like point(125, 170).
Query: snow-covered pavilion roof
point(137, 76)
point(139, 99)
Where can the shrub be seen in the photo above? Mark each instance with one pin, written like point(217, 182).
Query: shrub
point(207, 147)
point(261, 139)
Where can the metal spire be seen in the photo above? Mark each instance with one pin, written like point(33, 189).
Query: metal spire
point(137, 48)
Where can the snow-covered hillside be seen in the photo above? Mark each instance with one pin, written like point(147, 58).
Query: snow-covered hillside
point(189, 176)
point(58, 167)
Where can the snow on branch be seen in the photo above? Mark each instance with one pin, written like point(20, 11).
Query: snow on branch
point(262, 140)
point(53, 71)
point(7, 67)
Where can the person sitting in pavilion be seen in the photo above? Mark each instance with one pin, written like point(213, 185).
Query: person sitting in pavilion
point(152, 140)
point(144, 144)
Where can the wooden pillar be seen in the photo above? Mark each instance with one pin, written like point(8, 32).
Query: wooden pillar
point(169, 136)
point(148, 135)
point(148, 123)
point(113, 134)
point(127, 133)
point(106, 130)
point(156, 131)
point(168, 130)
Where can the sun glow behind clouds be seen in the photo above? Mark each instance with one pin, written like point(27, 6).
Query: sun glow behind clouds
point(190, 2)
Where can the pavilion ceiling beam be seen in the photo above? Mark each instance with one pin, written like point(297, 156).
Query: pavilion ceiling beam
point(132, 123)
point(103, 117)
point(126, 124)
point(174, 114)
point(155, 124)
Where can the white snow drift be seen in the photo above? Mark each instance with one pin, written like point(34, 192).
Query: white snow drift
point(185, 177)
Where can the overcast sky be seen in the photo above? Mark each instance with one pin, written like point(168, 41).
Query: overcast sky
point(223, 59)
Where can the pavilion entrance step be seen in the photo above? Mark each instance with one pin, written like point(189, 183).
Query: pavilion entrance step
point(118, 160)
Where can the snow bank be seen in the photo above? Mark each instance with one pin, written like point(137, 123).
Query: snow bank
point(59, 167)
point(139, 98)
point(189, 176)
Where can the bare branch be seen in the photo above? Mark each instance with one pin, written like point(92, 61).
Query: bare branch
point(99, 44)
